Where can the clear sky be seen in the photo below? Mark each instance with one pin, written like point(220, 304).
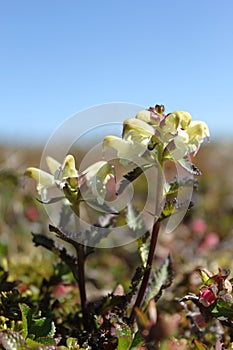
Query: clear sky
point(61, 56)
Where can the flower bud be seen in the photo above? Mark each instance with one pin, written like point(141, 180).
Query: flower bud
point(207, 297)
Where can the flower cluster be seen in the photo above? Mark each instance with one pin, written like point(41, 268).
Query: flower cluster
point(155, 135)
point(92, 181)
point(151, 135)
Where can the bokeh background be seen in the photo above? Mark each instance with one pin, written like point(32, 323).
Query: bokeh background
point(61, 57)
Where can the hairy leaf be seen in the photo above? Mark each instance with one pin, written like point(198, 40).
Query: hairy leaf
point(11, 340)
point(132, 175)
point(143, 247)
point(174, 186)
point(136, 279)
point(62, 235)
point(222, 309)
point(42, 327)
point(189, 166)
point(160, 280)
point(134, 220)
point(51, 245)
point(26, 319)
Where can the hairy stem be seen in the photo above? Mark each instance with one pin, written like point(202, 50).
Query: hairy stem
point(82, 286)
point(141, 293)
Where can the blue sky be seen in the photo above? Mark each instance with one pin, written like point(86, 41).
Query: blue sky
point(60, 57)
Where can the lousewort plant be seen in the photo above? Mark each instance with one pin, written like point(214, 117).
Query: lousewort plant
point(155, 148)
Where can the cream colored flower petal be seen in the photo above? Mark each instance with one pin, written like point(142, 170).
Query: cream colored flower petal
point(199, 128)
point(44, 180)
point(68, 167)
point(144, 115)
point(181, 148)
point(53, 164)
point(140, 126)
point(97, 176)
point(122, 146)
point(41, 176)
point(184, 118)
point(169, 124)
point(128, 149)
point(101, 168)
point(183, 136)
point(198, 132)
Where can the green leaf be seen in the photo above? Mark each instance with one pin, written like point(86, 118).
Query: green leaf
point(123, 333)
point(199, 345)
point(173, 187)
point(168, 209)
point(160, 280)
point(123, 343)
point(42, 327)
point(38, 345)
point(138, 340)
point(26, 319)
point(222, 309)
point(46, 341)
point(135, 281)
point(71, 343)
point(189, 166)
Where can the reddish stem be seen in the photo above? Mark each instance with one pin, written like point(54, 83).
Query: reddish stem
point(141, 293)
point(82, 287)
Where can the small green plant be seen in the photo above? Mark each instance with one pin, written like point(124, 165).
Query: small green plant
point(152, 147)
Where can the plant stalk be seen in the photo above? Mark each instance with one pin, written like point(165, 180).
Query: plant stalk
point(82, 286)
point(145, 280)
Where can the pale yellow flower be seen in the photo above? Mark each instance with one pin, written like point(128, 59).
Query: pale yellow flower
point(44, 180)
point(95, 177)
point(198, 132)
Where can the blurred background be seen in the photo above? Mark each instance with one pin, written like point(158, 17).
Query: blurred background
point(61, 57)
point(58, 58)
